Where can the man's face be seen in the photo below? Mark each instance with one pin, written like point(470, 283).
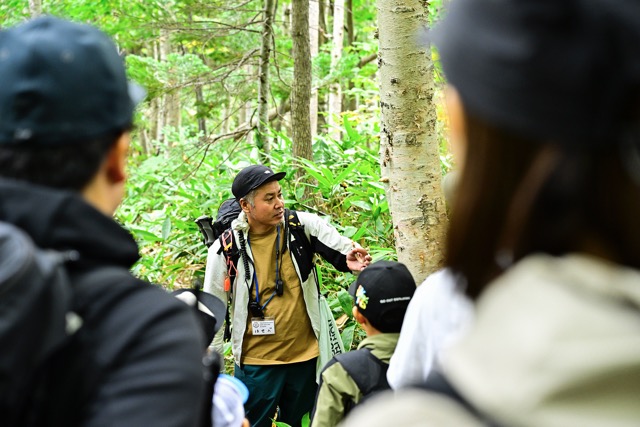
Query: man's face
point(269, 207)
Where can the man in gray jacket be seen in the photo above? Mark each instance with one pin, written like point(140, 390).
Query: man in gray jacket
point(66, 110)
point(274, 297)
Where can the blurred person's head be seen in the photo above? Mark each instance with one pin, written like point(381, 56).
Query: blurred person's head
point(66, 109)
point(544, 95)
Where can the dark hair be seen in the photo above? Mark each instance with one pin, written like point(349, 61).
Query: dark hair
point(69, 166)
point(517, 197)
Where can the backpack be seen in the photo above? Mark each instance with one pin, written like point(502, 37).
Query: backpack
point(210, 229)
point(367, 371)
point(48, 373)
point(36, 322)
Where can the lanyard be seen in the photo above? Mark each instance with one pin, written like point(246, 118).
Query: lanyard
point(278, 289)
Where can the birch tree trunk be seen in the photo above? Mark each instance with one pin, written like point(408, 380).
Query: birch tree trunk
point(335, 92)
point(262, 141)
point(301, 88)
point(314, 39)
point(409, 152)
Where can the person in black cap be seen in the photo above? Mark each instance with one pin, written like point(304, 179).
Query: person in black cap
point(381, 296)
point(275, 295)
point(66, 110)
point(545, 95)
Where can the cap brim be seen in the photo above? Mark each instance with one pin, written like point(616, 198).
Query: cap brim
point(278, 176)
point(353, 288)
point(208, 306)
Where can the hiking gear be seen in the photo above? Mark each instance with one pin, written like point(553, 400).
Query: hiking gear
point(382, 292)
point(133, 327)
point(62, 82)
point(366, 370)
point(319, 237)
point(211, 230)
point(50, 367)
point(252, 177)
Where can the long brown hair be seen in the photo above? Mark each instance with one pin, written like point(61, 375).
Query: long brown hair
point(518, 196)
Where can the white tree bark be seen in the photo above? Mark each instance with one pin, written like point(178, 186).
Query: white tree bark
point(335, 91)
point(409, 147)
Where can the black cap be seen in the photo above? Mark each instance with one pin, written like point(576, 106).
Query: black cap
point(61, 82)
point(382, 293)
point(211, 310)
point(253, 177)
point(559, 70)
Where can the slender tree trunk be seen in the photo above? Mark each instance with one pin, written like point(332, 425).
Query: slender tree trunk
point(156, 117)
point(262, 140)
point(335, 91)
point(301, 88)
point(322, 21)
point(247, 110)
point(349, 101)
point(314, 33)
point(202, 121)
point(409, 151)
point(170, 107)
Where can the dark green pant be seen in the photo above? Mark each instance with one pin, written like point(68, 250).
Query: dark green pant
point(290, 388)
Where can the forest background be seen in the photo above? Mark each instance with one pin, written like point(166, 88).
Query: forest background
point(337, 93)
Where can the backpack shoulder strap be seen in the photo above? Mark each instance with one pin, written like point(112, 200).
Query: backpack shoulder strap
point(301, 246)
point(437, 383)
point(229, 247)
point(367, 371)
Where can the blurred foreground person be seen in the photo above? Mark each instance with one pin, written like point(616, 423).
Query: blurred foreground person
point(130, 354)
point(545, 96)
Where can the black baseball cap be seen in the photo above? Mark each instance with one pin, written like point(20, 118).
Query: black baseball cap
point(566, 71)
point(253, 177)
point(382, 293)
point(61, 82)
point(211, 310)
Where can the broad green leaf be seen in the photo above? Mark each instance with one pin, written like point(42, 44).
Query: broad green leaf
point(346, 302)
point(166, 228)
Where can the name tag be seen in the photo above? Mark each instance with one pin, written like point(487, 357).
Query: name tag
point(266, 326)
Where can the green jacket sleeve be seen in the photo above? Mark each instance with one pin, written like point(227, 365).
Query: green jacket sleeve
point(336, 390)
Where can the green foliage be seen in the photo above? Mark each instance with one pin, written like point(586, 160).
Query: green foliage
point(304, 423)
point(213, 45)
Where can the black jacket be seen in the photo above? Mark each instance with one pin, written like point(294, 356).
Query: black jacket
point(146, 346)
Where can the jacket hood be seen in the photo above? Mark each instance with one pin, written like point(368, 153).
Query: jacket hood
point(62, 220)
point(556, 342)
